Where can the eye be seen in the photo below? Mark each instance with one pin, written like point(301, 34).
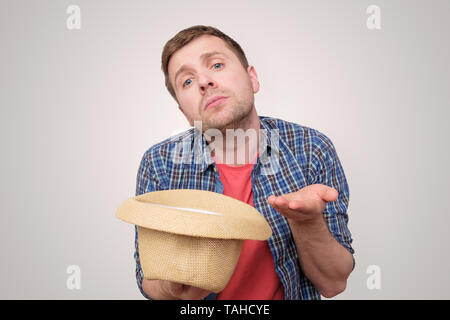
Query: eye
point(184, 84)
point(215, 64)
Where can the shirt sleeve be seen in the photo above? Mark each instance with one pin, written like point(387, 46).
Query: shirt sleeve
point(145, 182)
point(327, 169)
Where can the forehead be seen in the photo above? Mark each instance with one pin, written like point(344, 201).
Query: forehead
point(191, 52)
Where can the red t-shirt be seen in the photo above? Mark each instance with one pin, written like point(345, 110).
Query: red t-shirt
point(254, 277)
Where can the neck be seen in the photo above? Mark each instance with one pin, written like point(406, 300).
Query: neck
point(240, 142)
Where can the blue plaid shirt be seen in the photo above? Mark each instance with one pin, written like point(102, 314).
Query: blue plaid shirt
point(293, 157)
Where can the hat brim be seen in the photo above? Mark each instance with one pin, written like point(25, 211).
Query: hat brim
point(196, 213)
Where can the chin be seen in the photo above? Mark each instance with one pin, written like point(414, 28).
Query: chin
point(219, 125)
point(227, 118)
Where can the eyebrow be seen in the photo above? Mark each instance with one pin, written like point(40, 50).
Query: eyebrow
point(202, 57)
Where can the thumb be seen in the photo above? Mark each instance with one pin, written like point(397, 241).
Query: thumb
point(329, 194)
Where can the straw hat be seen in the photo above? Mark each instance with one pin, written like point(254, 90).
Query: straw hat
point(192, 237)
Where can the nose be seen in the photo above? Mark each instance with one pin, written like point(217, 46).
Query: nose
point(205, 82)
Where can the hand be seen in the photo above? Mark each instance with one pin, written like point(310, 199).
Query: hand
point(168, 290)
point(305, 205)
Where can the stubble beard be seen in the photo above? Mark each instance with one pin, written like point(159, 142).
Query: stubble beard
point(232, 114)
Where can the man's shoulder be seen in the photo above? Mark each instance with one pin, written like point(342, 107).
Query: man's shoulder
point(294, 133)
point(285, 127)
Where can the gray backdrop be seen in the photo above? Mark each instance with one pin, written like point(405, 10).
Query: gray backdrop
point(80, 107)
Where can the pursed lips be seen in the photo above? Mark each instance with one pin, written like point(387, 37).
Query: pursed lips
point(214, 100)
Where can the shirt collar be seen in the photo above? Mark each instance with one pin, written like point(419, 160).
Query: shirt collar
point(208, 160)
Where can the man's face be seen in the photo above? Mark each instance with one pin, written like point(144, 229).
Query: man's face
point(206, 68)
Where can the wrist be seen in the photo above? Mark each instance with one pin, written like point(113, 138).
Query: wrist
point(315, 228)
point(317, 222)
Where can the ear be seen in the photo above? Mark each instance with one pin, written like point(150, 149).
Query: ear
point(253, 78)
point(191, 123)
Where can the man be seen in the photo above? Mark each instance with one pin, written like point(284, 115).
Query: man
point(304, 196)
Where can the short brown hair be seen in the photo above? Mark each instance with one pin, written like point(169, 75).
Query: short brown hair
point(185, 36)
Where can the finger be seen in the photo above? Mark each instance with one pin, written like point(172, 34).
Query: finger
point(173, 288)
point(273, 201)
point(286, 204)
point(281, 204)
point(307, 205)
point(296, 205)
point(194, 293)
point(299, 209)
point(328, 194)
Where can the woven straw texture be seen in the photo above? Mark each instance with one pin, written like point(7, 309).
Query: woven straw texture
point(163, 210)
point(201, 262)
point(192, 237)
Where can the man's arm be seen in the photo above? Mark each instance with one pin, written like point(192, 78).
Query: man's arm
point(158, 289)
point(145, 182)
point(325, 262)
point(317, 216)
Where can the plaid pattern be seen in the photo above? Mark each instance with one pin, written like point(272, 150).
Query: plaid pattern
point(296, 156)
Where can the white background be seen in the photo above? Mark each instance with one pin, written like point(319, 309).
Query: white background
point(80, 107)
